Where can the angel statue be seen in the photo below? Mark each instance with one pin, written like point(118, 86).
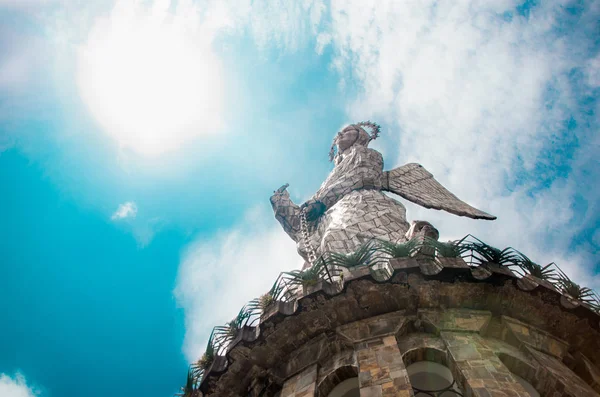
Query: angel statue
point(351, 208)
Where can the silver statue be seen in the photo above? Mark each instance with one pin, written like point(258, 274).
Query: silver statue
point(350, 208)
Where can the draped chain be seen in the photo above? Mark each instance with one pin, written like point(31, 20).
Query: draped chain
point(312, 255)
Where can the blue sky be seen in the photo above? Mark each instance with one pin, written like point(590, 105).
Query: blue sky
point(140, 141)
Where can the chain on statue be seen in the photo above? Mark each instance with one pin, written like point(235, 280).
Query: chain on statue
point(312, 255)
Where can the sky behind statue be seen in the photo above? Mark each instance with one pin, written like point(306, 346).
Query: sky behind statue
point(140, 142)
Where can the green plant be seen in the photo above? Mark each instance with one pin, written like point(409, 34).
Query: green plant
point(486, 253)
point(262, 302)
point(228, 332)
point(365, 255)
point(200, 366)
point(278, 291)
point(399, 250)
point(191, 385)
point(307, 277)
point(265, 300)
point(574, 290)
point(451, 249)
point(532, 268)
point(204, 362)
point(281, 291)
point(595, 302)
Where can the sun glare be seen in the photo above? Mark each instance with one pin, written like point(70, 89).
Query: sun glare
point(150, 80)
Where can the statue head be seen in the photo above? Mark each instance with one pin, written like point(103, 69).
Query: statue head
point(352, 135)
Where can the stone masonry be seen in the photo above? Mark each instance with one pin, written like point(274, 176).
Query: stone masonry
point(477, 369)
point(302, 384)
point(485, 334)
point(382, 371)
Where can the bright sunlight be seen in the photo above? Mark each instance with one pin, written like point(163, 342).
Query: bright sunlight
point(149, 79)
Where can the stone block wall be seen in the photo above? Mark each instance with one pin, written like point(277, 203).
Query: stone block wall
point(483, 353)
point(477, 369)
point(587, 371)
point(333, 371)
point(556, 379)
point(534, 330)
point(303, 384)
point(381, 369)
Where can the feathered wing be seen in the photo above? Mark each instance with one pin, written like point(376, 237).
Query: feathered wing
point(416, 184)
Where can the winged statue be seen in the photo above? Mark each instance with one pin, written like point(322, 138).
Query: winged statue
point(351, 208)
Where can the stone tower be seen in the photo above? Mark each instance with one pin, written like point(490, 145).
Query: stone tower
point(382, 308)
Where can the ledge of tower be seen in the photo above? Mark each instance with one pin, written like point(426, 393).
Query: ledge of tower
point(471, 300)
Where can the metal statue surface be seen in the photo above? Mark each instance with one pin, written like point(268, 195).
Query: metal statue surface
point(350, 207)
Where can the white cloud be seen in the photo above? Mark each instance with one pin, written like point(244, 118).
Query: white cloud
point(220, 274)
point(286, 25)
point(15, 71)
point(593, 71)
point(15, 386)
point(150, 77)
point(23, 57)
point(148, 71)
point(125, 210)
point(476, 94)
point(480, 100)
point(21, 4)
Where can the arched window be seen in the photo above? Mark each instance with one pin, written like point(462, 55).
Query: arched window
point(430, 379)
point(348, 388)
point(342, 382)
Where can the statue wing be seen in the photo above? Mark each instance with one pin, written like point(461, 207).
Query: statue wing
point(416, 184)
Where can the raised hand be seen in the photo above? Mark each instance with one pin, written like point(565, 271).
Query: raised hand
point(280, 194)
point(282, 189)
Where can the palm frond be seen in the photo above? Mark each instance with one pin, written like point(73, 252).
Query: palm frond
point(532, 268)
point(224, 334)
point(303, 277)
point(365, 255)
point(261, 303)
point(311, 276)
point(191, 385)
point(279, 289)
point(200, 366)
point(399, 249)
point(486, 253)
point(595, 303)
point(569, 287)
point(451, 249)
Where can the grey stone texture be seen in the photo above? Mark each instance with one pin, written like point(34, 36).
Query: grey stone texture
point(382, 371)
point(484, 332)
point(302, 384)
point(478, 371)
point(336, 369)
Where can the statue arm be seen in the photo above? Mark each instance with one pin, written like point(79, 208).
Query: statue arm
point(286, 212)
point(328, 197)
